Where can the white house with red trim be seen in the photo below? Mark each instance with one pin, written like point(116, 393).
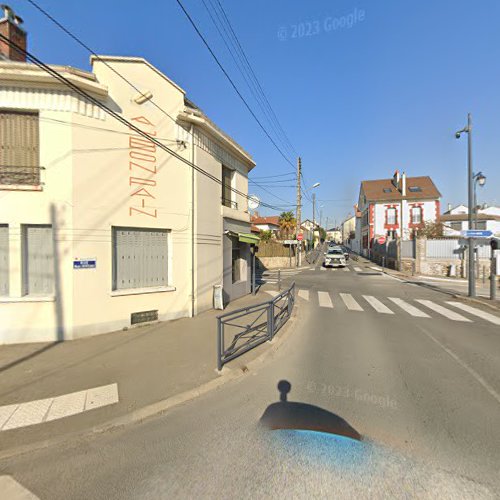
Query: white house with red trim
point(395, 207)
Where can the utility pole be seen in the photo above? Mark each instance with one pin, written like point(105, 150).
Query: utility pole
point(314, 215)
point(299, 212)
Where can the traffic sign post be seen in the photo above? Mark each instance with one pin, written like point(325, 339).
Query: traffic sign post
point(300, 236)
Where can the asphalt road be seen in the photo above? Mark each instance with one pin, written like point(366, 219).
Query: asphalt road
point(421, 392)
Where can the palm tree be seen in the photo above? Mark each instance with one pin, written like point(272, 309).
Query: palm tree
point(287, 223)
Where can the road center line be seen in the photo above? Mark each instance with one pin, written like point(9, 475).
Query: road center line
point(463, 365)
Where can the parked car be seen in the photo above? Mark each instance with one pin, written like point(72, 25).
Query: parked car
point(335, 257)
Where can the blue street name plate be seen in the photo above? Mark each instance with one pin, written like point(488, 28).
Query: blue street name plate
point(476, 233)
point(84, 263)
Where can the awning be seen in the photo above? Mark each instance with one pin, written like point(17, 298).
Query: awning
point(248, 238)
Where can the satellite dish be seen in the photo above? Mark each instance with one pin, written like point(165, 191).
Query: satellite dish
point(253, 202)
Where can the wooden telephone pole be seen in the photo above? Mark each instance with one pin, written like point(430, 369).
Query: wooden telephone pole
point(299, 212)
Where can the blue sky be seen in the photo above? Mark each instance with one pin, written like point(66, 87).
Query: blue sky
point(356, 102)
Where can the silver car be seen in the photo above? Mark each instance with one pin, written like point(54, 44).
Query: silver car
point(335, 258)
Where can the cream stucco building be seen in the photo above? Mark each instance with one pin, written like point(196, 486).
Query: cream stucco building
point(100, 228)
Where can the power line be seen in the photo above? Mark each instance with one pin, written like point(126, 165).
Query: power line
point(193, 24)
point(119, 118)
point(238, 62)
point(91, 51)
point(270, 176)
point(256, 79)
point(273, 119)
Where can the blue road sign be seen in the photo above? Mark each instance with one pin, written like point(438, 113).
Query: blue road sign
point(84, 263)
point(476, 233)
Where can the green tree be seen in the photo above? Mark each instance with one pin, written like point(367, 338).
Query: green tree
point(266, 235)
point(431, 230)
point(287, 223)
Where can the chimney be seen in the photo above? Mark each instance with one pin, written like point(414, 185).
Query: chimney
point(449, 207)
point(395, 179)
point(10, 28)
point(403, 184)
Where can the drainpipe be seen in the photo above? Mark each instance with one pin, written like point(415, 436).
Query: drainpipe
point(192, 224)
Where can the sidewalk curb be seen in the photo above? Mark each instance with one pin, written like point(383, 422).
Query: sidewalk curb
point(162, 406)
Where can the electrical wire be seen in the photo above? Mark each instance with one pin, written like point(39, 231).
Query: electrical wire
point(91, 51)
point(219, 64)
point(119, 118)
point(247, 72)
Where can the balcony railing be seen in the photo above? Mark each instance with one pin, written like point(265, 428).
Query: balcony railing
point(229, 203)
point(20, 175)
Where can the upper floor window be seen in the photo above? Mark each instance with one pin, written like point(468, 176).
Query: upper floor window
point(416, 215)
point(391, 216)
point(227, 183)
point(481, 224)
point(19, 148)
point(415, 189)
point(456, 226)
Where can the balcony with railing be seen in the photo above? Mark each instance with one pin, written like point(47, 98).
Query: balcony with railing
point(20, 177)
point(229, 203)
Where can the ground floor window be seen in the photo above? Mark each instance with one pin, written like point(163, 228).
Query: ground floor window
point(235, 260)
point(140, 257)
point(4, 259)
point(38, 260)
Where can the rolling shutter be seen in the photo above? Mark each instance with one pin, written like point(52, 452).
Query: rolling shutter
point(38, 260)
point(4, 259)
point(19, 148)
point(140, 258)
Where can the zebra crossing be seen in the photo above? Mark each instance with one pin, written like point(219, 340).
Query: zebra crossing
point(417, 308)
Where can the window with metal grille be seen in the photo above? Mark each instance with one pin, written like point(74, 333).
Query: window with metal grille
point(456, 226)
point(4, 259)
point(38, 260)
point(143, 317)
point(19, 148)
point(140, 258)
point(481, 224)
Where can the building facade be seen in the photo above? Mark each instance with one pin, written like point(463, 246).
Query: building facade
point(456, 220)
point(101, 228)
point(396, 208)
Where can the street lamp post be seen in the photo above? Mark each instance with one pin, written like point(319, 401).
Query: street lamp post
point(470, 185)
point(480, 179)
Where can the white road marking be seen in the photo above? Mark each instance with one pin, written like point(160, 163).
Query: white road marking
point(376, 268)
point(443, 311)
point(464, 365)
point(272, 293)
point(346, 269)
point(12, 490)
point(304, 294)
point(377, 305)
point(358, 269)
point(350, 302)
point(476, 312)
point(44, 410)
point(323, 268)
point(312, 269)
point(412, 310)
point(325, 300)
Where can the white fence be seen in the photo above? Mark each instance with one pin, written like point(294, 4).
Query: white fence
point(449, 248)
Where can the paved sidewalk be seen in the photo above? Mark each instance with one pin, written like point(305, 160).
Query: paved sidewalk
point(148, 364)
